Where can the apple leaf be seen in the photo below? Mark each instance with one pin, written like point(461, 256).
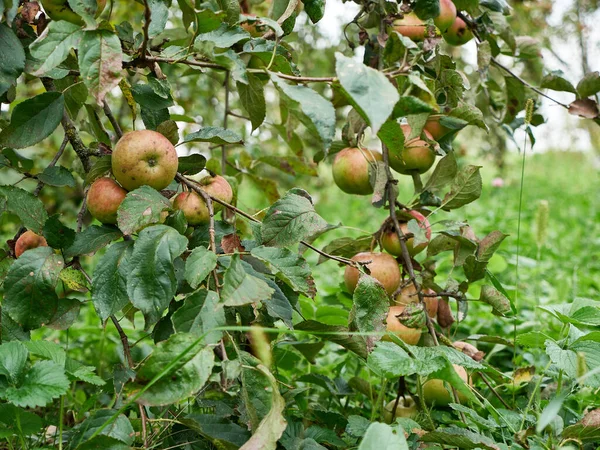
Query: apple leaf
point(92, 239)
point(241, 288)
point(465, 188)
point(12, 58)
point(140, 208)
point(198, 265)
point(200, 313)
point(28, 207)
point(54, 45)
point(380, 436)
point(215, 135)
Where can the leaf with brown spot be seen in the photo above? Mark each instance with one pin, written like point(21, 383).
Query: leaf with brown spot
point(232, 243)
point(584, 107)
point(29, 10)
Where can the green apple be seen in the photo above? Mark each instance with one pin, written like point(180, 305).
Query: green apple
point(435, 391)
point(447, 15)
point(406, 408)
point(417, 156)
point(351, 170)
point(458, 33)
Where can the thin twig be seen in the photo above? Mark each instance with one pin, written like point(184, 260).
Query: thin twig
point(59, 153)
point(498, 396)
point(147, 20)
point(113, 120)
point(225, 117)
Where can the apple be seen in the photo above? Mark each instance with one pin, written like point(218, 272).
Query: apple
point(411, 26)
point(447, 15)
point(435, 392)
point(60, 10)
point(458, 33)
point(409, 295)
point(417, 156)
point(406, 408)
point(27, 241)
point(144, 157)
point(351, 170)
point(193, 205)
point(384, 268)
point(434, 127)
point(391, 242)
point(104, 198)
point(409, 335)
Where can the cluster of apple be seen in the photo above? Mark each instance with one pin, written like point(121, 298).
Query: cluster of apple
point(454, 30)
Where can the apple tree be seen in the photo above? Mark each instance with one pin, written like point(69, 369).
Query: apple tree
point(155, 112)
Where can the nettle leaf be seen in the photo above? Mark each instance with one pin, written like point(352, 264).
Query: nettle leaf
point(336, 334)
point(252, 98)
point(555, 81)
point(33, 120)
point(315, 112)
point(26, 206)
point(289, 267)
point(291, 219)
point(498, 301)
point(380, 436)
point(30, 298)
point(370, 308)
point(461, 438)
point(445, 171)
point(13, 359)
point(53, 46)
point(194, 365)
point(589, 85)
point(41, 384)
point(200, 313)
point(465, 188)
point(224, 36)
point(241, 288)
point(151, 284)
point(58, 176)
point(120, 429)
point(192, 164)
point(315, 9)
point(57, 234)
point(140, 208)
point(215, 135)
point(12, 58)
point(369, 90)
point(198, 265)
point(100, 62)
point(92, 239)
point(109, 282)
point(347, 247)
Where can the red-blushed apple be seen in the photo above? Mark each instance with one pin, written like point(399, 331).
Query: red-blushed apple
point(447, 15)
point(351, 170)
point(406, 408)
point(458, 33)
point(391, 242)
point(409, 335)
point(411, 26)
point(409, 295)
point(27, 241)
point(434, 127)
point(417, 156)
point(435, 392)
point(384, 268)
point(104, 198)
point(193, 205)
point(144, 157)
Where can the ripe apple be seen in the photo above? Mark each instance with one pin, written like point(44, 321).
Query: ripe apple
point(435, 392)
point(144, 157)
point(458, 33)
point(409, 295)
point(411, 26)
point(417, 156)
point(383, 267)
point(391, 242)
point(27, 241)
point(434, 127)
point(351, 170)
point(104, 198)
point(447, 15)
point(60, 10)
point(409, 335)
point(193, 205)
point(406, 408)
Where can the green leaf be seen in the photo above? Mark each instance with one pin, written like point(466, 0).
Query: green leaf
point(92, 239)
point(33, 120)
point(30, 298)
point(240, 288)
point(347, 247)
point(494, 298)
point(57, 176)
point(380, 436)
point(47, 350)
point(66, 314)
point(142, 207)
point(515, 98)
point(86, 9)
point(100, 62)
point(12, 58)
point(151, 98)
point(289, 267)
point(186, 377)
point(369, 90)
point(44, 382)
point(200, 313)
point(252, 98)
point(13, 359)
point(555, 81)
point(24, 204)
point(151, 284)
point(18, 422)
point(589, 85)
point(102, 166)
point(198, 265)
point(215, 135)
point(336, 334)
point(192, 164)
point(109, 282)
point(169, 130)
point(459, 437)
point(232, 10)
point(53, 46)
point(391, 135)
point(315, 112)
point(465, 188)
point(219, 430)
point(224, 36)
point(315, 9)
point(445, 171)
point(290, 220)
point(370, 308)
point(470, 114)
point(57, 234)
point(532, 339)
point(409, 105)
point(119, 429)
point(427, 9)
point(159, 13)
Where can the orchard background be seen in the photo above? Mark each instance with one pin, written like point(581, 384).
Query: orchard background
point(215, 300)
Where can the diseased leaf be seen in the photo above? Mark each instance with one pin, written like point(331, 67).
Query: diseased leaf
point(140, 208)
point(370, 308)
point(465, 188)
point(497, 300)
point(53, 46)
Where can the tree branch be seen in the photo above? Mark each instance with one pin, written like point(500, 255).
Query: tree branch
point(147, 20)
